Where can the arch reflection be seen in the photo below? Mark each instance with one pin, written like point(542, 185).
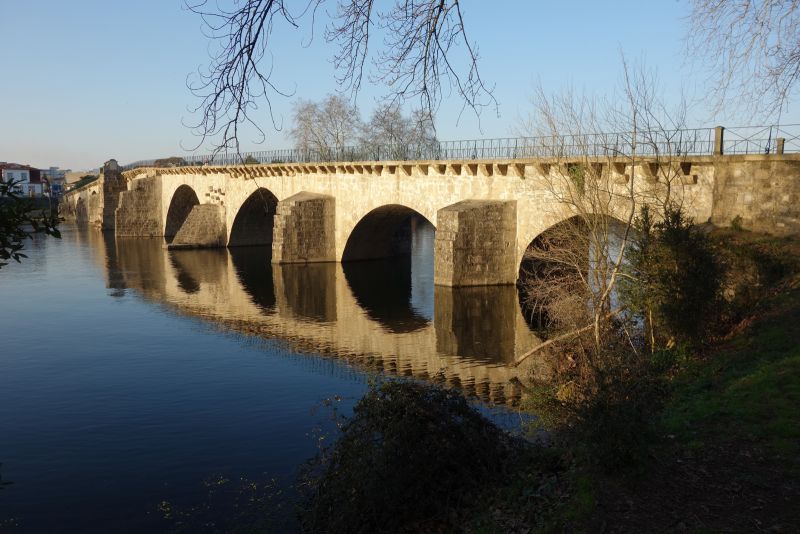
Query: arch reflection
point(467, 342)
point(397, 292)
point(254, 271)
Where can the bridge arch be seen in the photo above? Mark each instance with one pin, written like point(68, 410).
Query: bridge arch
point(384, 232)
point(556, 262)
point(254, 221)
point(183, 200)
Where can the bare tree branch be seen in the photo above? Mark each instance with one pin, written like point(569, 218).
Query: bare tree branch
point(752, 48)
point(425, 54)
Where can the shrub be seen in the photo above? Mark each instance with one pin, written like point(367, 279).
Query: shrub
point(615, 424)
point(409, 454)
point(674, 279)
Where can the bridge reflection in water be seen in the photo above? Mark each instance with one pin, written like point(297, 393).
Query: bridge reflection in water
point(383, 315)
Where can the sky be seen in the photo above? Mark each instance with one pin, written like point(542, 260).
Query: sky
point(88, 80)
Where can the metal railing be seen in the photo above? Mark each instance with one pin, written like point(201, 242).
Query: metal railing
point(684, 142)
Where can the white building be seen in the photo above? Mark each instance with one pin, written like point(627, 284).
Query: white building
point(27, 180)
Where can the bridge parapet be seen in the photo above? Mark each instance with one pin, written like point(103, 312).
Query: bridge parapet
point(759, 140)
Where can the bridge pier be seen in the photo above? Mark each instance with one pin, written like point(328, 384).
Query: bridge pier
point(304, 229)
point(139, 209)
point(475, 243)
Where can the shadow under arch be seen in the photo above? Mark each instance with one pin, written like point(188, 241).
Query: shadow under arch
point(181, 204)
point(384, 232)
point(557, 263)
point(388, 254)
point(254, 221)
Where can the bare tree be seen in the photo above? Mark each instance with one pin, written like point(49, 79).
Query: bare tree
point(325, 128)
point(391, 134)
point(752, 47)
point(600, 181)
point(425, 53)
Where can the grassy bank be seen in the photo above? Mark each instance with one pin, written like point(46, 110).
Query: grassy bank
point(728, 437)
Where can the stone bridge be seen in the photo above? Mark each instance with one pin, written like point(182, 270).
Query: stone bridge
point(486, 213)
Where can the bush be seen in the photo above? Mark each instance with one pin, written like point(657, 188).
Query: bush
point(409, 454)
point(674, 279)
point(615, 425)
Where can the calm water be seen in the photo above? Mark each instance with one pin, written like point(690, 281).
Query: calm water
point(129, 374)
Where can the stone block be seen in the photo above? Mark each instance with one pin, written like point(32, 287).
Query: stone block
point(304, 229)
point(204, 227)
point(478, 249)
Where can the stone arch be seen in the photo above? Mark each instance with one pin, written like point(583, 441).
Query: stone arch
point(254, 221)
point(566, 226)
point(567, 241)
point(384, 232)
point(181, 204)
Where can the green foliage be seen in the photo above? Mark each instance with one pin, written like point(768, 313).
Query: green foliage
point(409, 454)
point(604, 411)
point(250, 160)
point(752, 263)
point(18, 222)
point(577, 173)
point(86, 179)
point(174, 161)
point(674, 279)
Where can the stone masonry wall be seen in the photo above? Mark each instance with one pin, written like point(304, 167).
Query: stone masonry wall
point(204, 227)
point(304, 229)
point(114, 183)
point(139, 211)
point(475, 243)
point(764, 192)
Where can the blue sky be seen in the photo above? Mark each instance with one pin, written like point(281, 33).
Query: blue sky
point(87, 80)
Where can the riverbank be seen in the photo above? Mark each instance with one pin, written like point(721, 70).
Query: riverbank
point(726, 455)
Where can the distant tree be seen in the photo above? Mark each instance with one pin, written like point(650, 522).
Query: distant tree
point(390, 134)
point(18, 222)
point(250, 160)
point(424, 54)
point(752, 47)
point(174, 161)
point(325, 128)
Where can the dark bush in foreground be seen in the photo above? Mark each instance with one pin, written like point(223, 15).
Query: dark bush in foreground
point(409, 454)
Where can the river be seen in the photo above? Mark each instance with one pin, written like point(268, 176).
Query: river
point(129, 374)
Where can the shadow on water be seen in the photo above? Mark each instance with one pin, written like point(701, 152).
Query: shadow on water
point(254, 271)
point(383, 289)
